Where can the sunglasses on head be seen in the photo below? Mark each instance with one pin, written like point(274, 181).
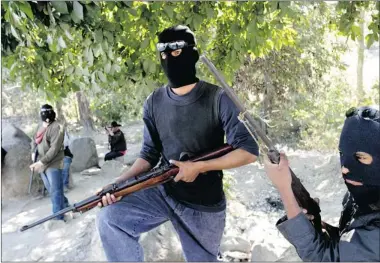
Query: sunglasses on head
point(172, 45)
point(365, 112)
point(43, 110)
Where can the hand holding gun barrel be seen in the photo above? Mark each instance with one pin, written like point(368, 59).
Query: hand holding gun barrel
point(302, 195)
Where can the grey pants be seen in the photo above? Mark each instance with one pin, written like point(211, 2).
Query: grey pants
point(121, 224)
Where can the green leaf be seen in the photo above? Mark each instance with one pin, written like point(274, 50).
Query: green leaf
point(77, 10)
point(98, 36)
point(60, 6)
point(102, 77)
point(132, 11)
point(69, 70)
point(145, 43)
point(110, 54)
point(209, 12)
point(356, 30)
point(45, 74)
point(105, 45)
point(25, 7)
point(97, 49)
point(61, 42)
point(78, 71)
point(109, 36)
point(152, 67)
point(14, 33)
point(107, 68)
point(169, 11)
point(86, 72)
point(115, 68)
point(235, 28)
point(370, 39)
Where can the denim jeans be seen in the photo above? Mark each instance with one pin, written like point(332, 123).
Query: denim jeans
point(121, 224)
point(53, 181)
point(66, 170)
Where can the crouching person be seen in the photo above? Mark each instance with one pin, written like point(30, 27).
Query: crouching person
point(358, 236)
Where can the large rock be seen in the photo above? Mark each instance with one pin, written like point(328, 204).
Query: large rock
point(290, 255)
point(85, 154)
point(112, 169)
point(260, 252)
point(15, 173)
point(11, 135)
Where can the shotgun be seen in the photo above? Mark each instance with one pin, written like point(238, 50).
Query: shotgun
point(147, 180)
point(32, 172)
point(302, 195)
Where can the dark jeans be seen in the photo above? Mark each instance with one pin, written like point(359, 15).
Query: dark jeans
point(66, 170)
point(53, 182)
point(121, 224)
point(112, 155)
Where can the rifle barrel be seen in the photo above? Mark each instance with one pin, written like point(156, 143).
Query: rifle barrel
point(61, 212)
point(302, 195)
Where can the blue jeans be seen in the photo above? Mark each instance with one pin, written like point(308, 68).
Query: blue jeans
point(66, 170)
point(53, 181)
point(121, 224)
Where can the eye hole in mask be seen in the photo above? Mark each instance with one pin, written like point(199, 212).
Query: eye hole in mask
point(364, 158)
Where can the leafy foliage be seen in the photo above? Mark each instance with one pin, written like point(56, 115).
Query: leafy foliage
point(107, 50)
point(75, 45)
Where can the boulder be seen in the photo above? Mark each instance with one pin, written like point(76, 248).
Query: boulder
point(230, 243)
point(260, 252)
point(15, 173)
point(11, 135)
point(290, 255)
point(112, 169)
point(85, 154)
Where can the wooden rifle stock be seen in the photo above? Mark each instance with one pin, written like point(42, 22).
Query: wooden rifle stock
point(302, 195)
point(144, 181)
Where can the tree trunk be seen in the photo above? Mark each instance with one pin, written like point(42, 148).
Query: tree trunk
point(268, 95)
point(84, 112)
point(60, 115)
point(359, 73)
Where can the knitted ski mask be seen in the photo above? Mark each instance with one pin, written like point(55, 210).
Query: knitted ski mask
point(361, 133)
point(47, 112)
point(179, 70)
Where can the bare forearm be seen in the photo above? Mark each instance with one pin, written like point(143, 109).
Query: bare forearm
point(138, 167)
point(291, 206)
point(233, 159)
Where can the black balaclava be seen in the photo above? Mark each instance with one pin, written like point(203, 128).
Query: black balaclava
point(47, 112)
point(180, 70)
point(360, 134)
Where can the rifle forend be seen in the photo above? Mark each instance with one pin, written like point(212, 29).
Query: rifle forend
point(144, 181)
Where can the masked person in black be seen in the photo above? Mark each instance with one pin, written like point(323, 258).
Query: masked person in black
point(49, 143)
point(186, 115)
point(358, 236)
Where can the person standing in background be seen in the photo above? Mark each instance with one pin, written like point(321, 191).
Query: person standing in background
point(49, 143)
point(67, 162)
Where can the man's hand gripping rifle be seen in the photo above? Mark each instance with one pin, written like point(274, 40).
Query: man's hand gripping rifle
point(143, 181)
point(302, 195)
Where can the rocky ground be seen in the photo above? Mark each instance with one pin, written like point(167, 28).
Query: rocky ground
point(250, 233)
